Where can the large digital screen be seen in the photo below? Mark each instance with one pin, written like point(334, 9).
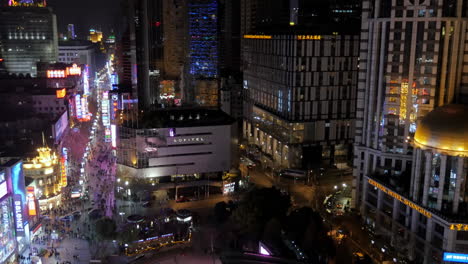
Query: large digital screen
point(114, 136)
point(455, 257)
point(59, 127)
point(79, 110)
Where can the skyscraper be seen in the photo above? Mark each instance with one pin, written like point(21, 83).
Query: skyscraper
point(71, 31)
point(410, 166)
point(300, 85)
point(28, 34)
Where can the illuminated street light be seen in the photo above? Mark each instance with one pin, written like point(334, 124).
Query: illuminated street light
point(335, 187)
point(126, 182)
point(344, 185)
point(118, 179)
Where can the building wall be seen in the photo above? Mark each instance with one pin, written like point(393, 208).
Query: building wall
point(411, 60)
point(155, 153)
point(28, 35)
point(48, 104)
point(78, 55)
point(300, 89)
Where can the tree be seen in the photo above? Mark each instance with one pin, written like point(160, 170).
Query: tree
point(105, 228)
point(128, 235)
point(221, 212)
point(257, 207)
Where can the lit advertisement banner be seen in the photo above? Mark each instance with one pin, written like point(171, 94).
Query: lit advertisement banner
point(105, 108)
point(114, 78)
point(107, 135)
point(115, 106)
point(61, 93)
point(400, 198)
point(63, 169)
point(56, 74)
point(79, 111)
point(459, 227)
point(18, 213)
point(455, 257)
point(84, 107)
point(74, 70)
point(31, 201)
point(114, 136)
point(3, 189)
point(86, 80)
point(257, 36)
point(309, 37)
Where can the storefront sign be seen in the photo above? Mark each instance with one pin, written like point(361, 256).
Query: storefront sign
point(309, 37)
point(257, 36)
point(459, 227)
point(455, 257)
point(18, 212)
point(400, 198)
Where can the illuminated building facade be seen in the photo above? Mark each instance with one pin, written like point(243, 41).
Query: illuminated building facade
point(410, 161)
point(203, 38)
point(300, 95)
point(7, 226)
point(28, 35)
point(71, 31)
point(162, 145)
point(47, 172)
point(95, 36)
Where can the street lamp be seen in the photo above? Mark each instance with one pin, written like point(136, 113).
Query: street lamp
point(335, 187)
point(118, 179)
point(344, 185)
point(126, 182)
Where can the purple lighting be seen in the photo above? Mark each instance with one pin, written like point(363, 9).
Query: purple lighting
point(171, 132)
point(263, 251)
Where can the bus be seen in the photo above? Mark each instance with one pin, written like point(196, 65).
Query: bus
point(293, 174)
point(76, 192)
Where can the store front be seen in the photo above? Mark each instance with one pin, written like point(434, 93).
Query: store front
point(7, 227)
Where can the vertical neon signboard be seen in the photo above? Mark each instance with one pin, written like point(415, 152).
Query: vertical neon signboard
point(79, 110)
point(114, 135)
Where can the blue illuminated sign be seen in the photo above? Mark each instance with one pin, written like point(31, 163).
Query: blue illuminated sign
point(18, 181)
point(455, 257)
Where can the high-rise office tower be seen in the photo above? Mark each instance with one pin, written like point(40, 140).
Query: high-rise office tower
point(28, 34)
point(71, 31)
point(300, 84)
point(157, 33)
point(201, 83)
point(410, 146)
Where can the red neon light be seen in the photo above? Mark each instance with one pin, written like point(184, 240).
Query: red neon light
point(157, 23)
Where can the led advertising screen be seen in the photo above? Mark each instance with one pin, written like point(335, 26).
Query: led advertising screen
point(3, 189)
point(114, 136)
point(79, 110)
point(59, 127)
point(18, 213)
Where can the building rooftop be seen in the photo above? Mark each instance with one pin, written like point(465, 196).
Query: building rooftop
point(444, 129)
point(182, 118)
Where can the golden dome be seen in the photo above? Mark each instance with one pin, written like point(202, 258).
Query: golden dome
point(446, 129)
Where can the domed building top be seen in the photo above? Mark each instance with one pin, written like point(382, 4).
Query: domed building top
point(446, 129)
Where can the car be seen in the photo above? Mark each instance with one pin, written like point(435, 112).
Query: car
point(182, 199)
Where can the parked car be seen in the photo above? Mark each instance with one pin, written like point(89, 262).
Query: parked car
point(182, 199)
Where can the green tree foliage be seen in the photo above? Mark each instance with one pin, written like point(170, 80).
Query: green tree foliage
point(259, 206)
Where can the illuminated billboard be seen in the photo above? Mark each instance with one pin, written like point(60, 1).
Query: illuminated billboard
point(105, 108)
point(3, 189)
point(18, 213)
point(60, 126)
point(63, 167)
point(74, 70)
point(31, 201)
point(455, 257)
point(86, 80)
point(56, 74)
point(107, 134)
point(114, 136)
point(79, 110)
point(61, 93)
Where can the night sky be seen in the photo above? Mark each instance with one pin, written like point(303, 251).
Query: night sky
point(86, 14)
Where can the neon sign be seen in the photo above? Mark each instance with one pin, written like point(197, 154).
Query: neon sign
point(56, 74)
point(400, 198)
point(309, 37)
point(64, 164)
point(257, 36)
point(74, 70)
point(18, 211)
point(455, 257)
point(79, 110)
point(61, 93)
